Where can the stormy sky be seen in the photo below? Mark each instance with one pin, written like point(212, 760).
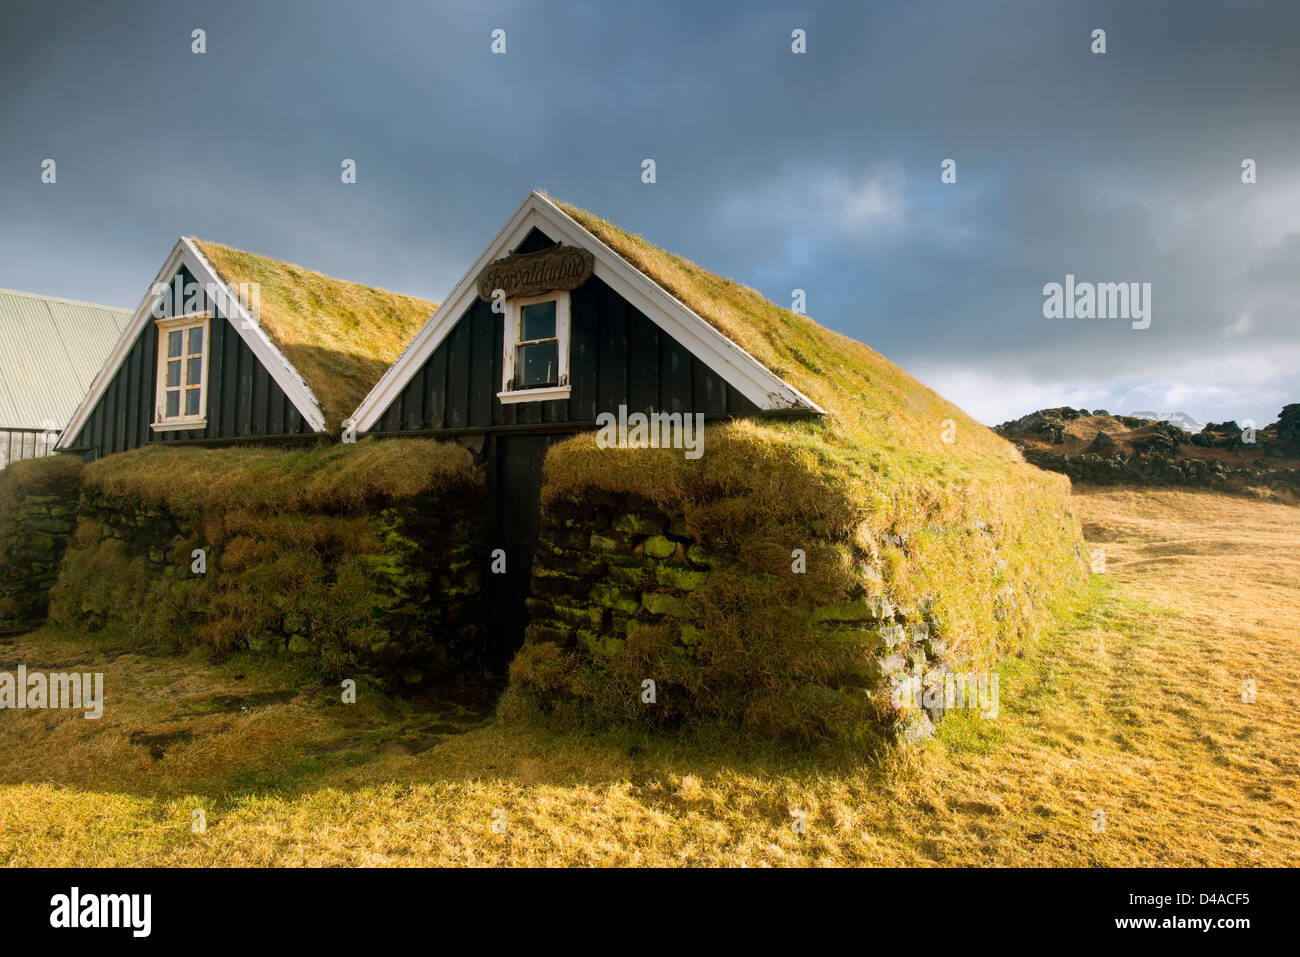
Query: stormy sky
point(818, 171)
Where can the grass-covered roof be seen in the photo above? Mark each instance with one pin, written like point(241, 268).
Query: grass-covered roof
point(341, 336)
point(897, 476)
point(873, 402)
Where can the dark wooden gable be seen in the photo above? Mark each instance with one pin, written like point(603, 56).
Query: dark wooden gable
point(243, 399)
point(618, 356)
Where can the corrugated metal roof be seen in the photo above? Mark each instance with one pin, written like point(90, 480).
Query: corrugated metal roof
point(50, 351)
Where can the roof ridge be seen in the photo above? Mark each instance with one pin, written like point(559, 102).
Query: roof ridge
point(200, 243)
point(71, 302)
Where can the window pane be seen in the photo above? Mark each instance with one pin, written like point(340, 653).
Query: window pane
point(174, 343)
point(538, 321)
point(194, 372)
point(191, 401)
point(539, 365)
point(173, 373)
point(196, 340)
point(173, 403)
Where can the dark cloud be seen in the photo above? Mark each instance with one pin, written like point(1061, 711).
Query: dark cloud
point(818, 172)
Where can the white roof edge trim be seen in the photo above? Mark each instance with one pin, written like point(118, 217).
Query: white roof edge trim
point(285, 374)
point(765, 384)
point(736, 366)
point(281, 371)
point(431, 334)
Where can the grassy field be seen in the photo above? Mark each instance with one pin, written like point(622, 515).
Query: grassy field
point(1135, 710)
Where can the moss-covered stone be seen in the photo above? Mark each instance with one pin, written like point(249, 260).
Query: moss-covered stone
point(862, 609)
point(599, 644)
point(657, 546)
point(605, 543)
point(619, 599)
point(631, 576)
point(682, 579)
point(633, 524)
point(563, 613)
point(658, 603)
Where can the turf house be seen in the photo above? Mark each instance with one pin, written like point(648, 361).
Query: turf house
point(511, 383)
point(843, 533)
point(228, 345)
point(644, 493)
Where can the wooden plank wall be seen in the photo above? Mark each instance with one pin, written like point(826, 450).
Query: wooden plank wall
point(243, 399)
point(617, 357)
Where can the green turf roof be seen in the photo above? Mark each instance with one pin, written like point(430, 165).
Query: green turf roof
point(341, 336)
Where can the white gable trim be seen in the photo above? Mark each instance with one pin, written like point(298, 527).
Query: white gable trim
point(737, 367)
point(186, 253)
point(286, 376)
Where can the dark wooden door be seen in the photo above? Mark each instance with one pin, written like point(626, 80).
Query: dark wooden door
point(515, 488)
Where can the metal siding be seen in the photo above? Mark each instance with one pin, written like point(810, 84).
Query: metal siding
point(50, 351)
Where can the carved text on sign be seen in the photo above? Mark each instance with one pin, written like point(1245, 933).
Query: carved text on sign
point(531, 274)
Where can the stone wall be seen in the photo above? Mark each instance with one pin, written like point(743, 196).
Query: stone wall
point(596, 577)
point(387, 587)
point(622, 593)
point(38, 511)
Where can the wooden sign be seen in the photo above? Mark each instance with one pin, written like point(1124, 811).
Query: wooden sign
point(531, 274)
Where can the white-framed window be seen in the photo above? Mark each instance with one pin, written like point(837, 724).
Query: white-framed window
point(536, 349)
point(182, 373)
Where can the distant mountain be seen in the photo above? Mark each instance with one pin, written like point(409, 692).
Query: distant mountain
point(1180, 419)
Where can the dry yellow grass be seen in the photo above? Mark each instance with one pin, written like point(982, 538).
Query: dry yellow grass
point(1135, 710)
point(341, 336)
point(324, 477)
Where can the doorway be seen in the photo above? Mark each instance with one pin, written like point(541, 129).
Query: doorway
point(514, 497)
